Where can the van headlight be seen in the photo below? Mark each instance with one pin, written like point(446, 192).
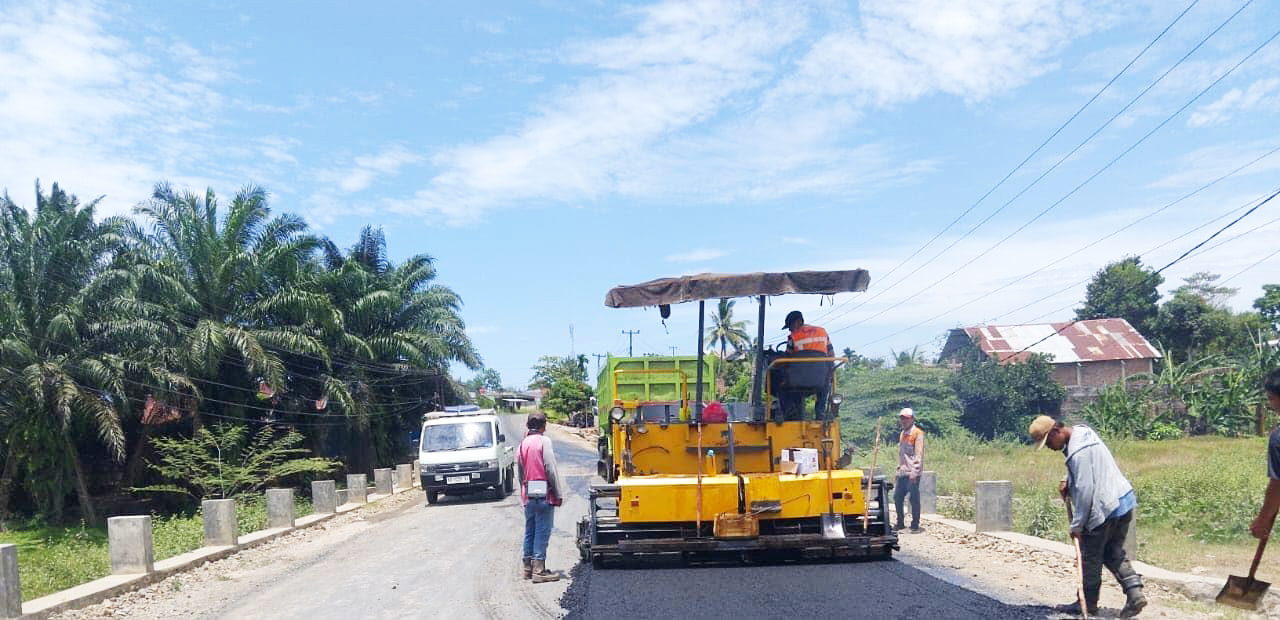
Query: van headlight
point(488, 464)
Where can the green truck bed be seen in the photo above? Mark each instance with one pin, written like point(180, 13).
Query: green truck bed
point(653, 386)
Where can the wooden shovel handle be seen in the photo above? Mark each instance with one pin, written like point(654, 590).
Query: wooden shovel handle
point(1257, 556)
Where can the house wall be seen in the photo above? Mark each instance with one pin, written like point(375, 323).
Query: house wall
point(1098, 374)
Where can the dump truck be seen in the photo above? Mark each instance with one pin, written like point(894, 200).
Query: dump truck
point(687, 476)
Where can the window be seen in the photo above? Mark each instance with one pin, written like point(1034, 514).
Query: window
point(458, 436)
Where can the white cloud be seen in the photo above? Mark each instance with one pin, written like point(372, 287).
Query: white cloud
point(92, 111)
point(695, 256)
point(367, 168)
point(1262, 94)
point(701, 101)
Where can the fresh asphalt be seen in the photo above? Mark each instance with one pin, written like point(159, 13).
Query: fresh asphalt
point(459, 559)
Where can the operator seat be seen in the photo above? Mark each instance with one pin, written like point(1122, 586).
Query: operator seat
point(792, 382)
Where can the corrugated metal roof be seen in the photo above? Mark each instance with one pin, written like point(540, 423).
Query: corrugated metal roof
point(1095, 340)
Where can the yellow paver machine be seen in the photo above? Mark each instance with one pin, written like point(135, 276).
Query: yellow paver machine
point(754, 479)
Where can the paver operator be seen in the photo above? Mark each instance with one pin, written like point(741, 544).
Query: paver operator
point(541, 489)
point(809, 339)
point(1103, 501)
point(910, 467)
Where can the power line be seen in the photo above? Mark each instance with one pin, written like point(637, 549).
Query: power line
point(630, 333)
point(1077, 188)
point(1020, 165)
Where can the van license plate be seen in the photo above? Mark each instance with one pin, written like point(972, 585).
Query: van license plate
point(457, 479)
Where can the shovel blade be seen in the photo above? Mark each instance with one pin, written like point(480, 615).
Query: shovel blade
point(832, 526)
point(1242, 592)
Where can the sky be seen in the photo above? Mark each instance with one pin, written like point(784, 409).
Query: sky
point(982, 159)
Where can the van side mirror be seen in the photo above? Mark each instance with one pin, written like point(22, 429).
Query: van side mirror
point(502, 438)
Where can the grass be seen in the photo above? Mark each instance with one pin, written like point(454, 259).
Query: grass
point(51, 559)
point(1196, 496)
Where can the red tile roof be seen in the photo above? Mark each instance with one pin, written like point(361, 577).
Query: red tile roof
point(1094, 340)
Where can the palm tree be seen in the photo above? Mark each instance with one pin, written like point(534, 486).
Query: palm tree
point(399, 333)
point(233, 291)
point(56, 314)
point(726, 332)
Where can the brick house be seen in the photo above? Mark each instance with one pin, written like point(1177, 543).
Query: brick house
point(1084, 354)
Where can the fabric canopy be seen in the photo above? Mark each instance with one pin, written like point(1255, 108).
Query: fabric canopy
point(718, 285)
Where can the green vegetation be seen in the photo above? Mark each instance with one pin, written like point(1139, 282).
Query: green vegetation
point(567, 379)
point(1196, 496)
point(123, 334)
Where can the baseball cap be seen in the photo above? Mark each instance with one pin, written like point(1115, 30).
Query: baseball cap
point(1039, 429)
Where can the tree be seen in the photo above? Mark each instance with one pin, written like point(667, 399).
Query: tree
point(999, 399)
point(724, 332)
point(1269, 305)
point(567, 396)
point(54, 372)
point(1187, 323)
point(1124, 289)
point(1201, 284)
point(552, 368)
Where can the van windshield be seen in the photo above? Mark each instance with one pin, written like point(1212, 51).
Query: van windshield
point(457, 436)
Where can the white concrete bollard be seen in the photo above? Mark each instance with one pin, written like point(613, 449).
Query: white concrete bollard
point(129, 544)
point(220, 526)
point(324, 496)
point(994, 509)
point(417, 472)
point(357, 488)
point(279, 508)
point(10, 585)
point(929, 492)
point(404, 476)
point(382, 481)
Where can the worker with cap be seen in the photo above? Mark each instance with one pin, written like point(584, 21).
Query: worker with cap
point(910, 467)
point(807, 340)
point(1102, 501)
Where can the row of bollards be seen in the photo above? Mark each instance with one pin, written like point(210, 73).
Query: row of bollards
point(131, 547)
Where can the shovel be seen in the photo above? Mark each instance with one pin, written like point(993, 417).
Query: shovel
point(1084, 609)
point(1245, 592)
point(832, 523)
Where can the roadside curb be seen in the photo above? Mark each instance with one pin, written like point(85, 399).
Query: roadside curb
point(1195, 587)
point(99, 590)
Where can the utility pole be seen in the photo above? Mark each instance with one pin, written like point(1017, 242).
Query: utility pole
point(598, 357)
point(673, 351)
point(629, 334)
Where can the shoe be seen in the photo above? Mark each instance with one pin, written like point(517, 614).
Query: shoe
point(917, 529)
point(1073, 609)
point(899, 527)
point(528, 567)
point(1134, 602)
point(541, 574)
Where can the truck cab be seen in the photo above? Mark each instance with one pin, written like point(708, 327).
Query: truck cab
point(462, 451)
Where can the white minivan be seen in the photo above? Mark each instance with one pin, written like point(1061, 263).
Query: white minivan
point(462, 451)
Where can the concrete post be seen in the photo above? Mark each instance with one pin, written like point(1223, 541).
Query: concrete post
point(279, 508)
point(341, 494)
point(382, 481)
point(994, 510)
point(129, 545)
point(404, 476)
point(10, 587)
point(324, 496)
point(929, 492)
point(417, 472)
point(357, 488)
point(220, 527)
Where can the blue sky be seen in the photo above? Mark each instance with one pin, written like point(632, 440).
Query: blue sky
point(544, 152)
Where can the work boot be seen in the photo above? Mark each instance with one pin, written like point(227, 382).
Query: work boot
point(1073, 608)
point(528, 567)
point(541, 574)
point(1133, 603)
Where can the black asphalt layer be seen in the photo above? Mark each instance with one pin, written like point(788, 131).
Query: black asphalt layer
point(851, 589)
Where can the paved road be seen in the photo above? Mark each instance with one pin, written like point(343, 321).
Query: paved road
point(456, 559)
point(459, 559)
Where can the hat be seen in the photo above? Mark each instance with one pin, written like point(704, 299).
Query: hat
point(1039, 429)
point(791, 316)
point(906, 413)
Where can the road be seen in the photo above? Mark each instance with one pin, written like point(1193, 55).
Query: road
point(460, 559)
